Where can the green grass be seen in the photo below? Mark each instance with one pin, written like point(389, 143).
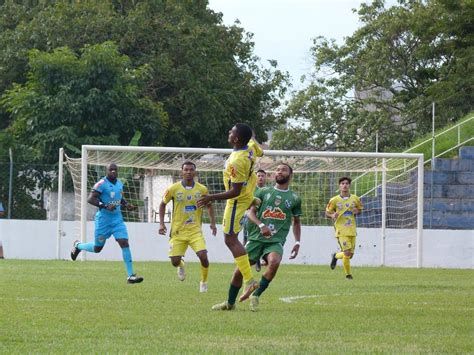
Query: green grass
point(447, 140)
point(66, 307)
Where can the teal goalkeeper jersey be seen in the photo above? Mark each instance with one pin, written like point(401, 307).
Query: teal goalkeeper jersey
point(277, 210)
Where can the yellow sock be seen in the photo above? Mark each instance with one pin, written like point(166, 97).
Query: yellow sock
point(339, 255)
point(181, 263)
point(244, 266)
point(346, 263)
point(204, 272)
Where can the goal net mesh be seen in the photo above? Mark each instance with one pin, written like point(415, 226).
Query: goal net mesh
point(146, 175)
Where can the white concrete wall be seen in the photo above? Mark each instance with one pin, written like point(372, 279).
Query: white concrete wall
point(28, 239)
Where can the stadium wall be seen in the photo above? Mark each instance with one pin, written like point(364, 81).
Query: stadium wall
point(34, 239)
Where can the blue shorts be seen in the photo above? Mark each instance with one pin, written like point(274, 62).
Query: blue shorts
point(105, 227)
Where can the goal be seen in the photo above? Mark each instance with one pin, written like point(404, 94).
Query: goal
point(390, 186)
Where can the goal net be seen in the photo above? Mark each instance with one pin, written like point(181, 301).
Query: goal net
point(390, 186)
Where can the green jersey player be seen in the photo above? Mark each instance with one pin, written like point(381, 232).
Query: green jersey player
point(279, 207)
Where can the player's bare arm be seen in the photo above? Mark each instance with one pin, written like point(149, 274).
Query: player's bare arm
point(94, 200)
point(124, 203)
point(233, 192)
point(161, 214)
point(297, 234)
point(252, 215)
point(212, 216)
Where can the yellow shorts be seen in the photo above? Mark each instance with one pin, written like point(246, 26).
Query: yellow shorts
point(179, 245)
point(347, 243)
point(234, 214)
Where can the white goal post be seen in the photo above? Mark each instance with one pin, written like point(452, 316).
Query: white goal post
point(389, 184)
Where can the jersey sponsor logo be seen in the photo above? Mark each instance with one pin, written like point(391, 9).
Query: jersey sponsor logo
point(189, 197)
point(190, 220)
point(348, 222)
point(190, 208)
point(112, 194)
point(276, 213)
point(339, 205)
point(197, 195)
point(347, 213)
point(288, 204)
point(179, 196)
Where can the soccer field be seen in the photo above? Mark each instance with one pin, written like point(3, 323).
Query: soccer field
point(64, 307)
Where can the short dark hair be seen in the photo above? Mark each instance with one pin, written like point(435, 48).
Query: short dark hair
point(244, 132)
point(288, 165)
point(261, 171)
point(188, 162)
point(344, 178)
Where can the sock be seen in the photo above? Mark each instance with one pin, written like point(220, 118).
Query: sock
point(204, 272)
point(339, 255)
point(233, 292)
point(263, 286)
point(127, 259)
point(346, 263)
point(181, 263)
point(244, 266)
point(86, 246)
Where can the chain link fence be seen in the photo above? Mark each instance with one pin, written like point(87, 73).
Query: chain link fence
point(26, 189)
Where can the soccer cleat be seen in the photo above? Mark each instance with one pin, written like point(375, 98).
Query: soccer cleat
point(251, 286)
point(253, 303)
point(181, 273)
point(203, 287)
point(75, 250)
point(333, 261)
point(224, 306)
point(258, 266)
point(349, 277)
point(134, 279)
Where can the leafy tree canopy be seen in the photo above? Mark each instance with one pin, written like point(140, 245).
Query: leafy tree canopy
point(385, 76)
point(183, 77)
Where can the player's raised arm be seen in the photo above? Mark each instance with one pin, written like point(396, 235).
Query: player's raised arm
point(233, 192)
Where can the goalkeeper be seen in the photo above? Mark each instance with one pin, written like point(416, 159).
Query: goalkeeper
point(342, 209)
point(107, 195)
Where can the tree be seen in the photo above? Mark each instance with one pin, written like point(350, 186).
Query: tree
point(385, 76)
point(92, 99)
point(202, 72)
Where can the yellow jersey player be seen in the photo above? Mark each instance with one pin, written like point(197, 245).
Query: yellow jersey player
point(342, 209)
point(239, 182)
point(186, 222)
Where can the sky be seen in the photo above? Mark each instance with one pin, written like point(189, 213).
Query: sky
point(283, 29)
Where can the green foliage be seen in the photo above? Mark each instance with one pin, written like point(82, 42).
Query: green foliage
point(64, 307)
point(202, 72)
point(92, 99)
point(385, 76)
point(446, 138)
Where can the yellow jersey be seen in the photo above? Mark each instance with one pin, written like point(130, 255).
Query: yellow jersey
point(345, 224)
point(186, 217)
point(239, 169)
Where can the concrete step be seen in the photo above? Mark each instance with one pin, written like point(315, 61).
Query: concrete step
point(449, 205)
point(466, 153)
point(442, 164)
point(449, 177)
point(450, 191)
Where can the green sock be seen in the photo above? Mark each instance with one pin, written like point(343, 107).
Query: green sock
point(233, 292)
point(263, 286)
